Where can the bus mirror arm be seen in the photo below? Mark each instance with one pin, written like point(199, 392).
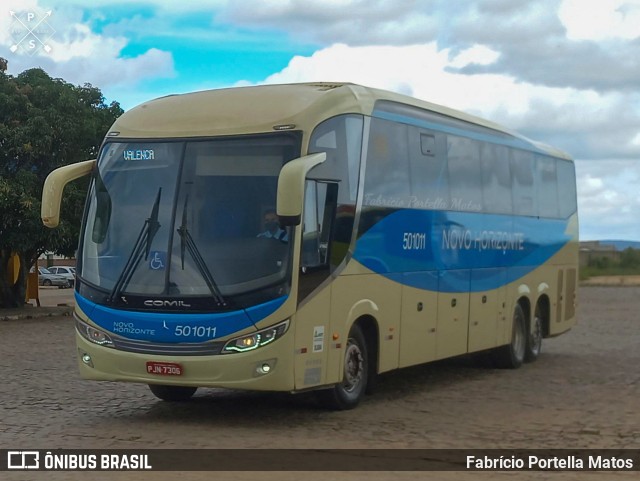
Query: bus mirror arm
point(291, 187)
point(53, 187)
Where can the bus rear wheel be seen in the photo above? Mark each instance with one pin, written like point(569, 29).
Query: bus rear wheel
point(172, 393)
point(348, 393)
point(512, 355)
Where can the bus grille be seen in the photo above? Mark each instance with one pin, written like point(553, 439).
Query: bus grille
point(145, 347)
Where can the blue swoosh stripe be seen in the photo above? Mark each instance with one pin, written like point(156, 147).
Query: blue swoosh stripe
point(158, 327)
point(459, 251)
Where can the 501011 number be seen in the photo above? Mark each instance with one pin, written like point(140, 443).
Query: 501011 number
point(207, 332)
point(414, 241)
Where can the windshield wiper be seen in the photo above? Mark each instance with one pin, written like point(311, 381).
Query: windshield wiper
point(187, 243)
point(141, 246)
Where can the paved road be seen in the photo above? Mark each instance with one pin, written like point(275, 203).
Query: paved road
point(583, 392)
point(53, 296)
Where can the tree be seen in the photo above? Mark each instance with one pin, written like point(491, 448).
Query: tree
point(630, 258)
point(44, 123)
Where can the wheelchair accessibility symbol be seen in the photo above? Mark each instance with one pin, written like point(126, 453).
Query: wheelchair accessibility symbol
point(157, 260)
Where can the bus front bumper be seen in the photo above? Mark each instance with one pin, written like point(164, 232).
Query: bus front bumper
point(233, 371)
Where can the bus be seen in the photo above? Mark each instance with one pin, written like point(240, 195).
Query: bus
point(308, 237)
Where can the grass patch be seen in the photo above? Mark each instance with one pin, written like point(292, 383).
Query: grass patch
point(591, 271)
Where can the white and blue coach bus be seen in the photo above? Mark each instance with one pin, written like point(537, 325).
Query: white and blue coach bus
point(310, 236)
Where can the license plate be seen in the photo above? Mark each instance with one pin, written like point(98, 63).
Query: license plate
point(164, 368)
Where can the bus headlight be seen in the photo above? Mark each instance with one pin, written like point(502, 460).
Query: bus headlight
point(92, 334)
point(256, 339)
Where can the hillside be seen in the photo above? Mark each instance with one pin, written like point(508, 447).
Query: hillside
point(621, 244)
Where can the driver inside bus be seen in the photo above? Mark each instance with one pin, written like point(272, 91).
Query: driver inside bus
point(272, 227)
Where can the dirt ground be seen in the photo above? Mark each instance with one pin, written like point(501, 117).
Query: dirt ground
point(583, 392)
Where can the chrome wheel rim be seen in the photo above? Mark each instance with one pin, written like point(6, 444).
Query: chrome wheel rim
point(536, 336)
point(353, 367)
point(519, 340)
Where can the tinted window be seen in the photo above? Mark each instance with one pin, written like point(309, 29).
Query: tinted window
point(341, 138)
point(428, 168)
point(524, 194)
point(465, 186)
point(547, 187)
point(566, 188)
point(386, 181)
point(496, 179)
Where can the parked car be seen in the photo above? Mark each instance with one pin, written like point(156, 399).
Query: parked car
point(67, 272)
point(48, 278)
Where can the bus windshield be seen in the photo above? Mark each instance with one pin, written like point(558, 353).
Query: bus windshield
point(187, 220)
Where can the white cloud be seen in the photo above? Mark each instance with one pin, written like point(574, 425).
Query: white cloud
point(561, 71)
point(7, 20)
point(79, 41)
point(588, 124)
point(600, 19)
point(478, 55)
point(166, 5)
point(608, 200)
point(417, 70)
point(76, 53)
point(425, 72)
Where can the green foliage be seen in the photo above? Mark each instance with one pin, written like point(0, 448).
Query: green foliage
point(630, 258)
point(627, 265)
point(44, 123)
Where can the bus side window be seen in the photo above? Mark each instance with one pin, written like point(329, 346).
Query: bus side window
point(496, 179)
point(103, 211)
point(320, 206)
point(546, 186)
point(428, 178)
point(523, 188)
point(465, 176)
point(319, 214)
point(566, 188)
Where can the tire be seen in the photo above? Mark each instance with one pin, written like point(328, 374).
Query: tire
point(348, 393)
point(512, 355)
point(46, 283)
point(534, 338)
point(173, 393)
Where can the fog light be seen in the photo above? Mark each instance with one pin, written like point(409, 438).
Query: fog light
point(86, 358)
point(265, 367)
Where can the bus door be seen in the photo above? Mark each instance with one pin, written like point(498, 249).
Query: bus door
point(312, 328)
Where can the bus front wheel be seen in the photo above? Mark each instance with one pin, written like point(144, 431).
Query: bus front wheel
point(172, 393)
point(348, 393)
point(512, 355)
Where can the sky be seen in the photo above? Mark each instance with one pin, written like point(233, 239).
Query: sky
point(565, 72)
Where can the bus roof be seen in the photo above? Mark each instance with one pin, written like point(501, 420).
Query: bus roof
point(260, 109)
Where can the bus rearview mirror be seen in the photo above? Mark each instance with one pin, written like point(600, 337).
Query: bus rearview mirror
point(291, 187)
point(53, 187)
